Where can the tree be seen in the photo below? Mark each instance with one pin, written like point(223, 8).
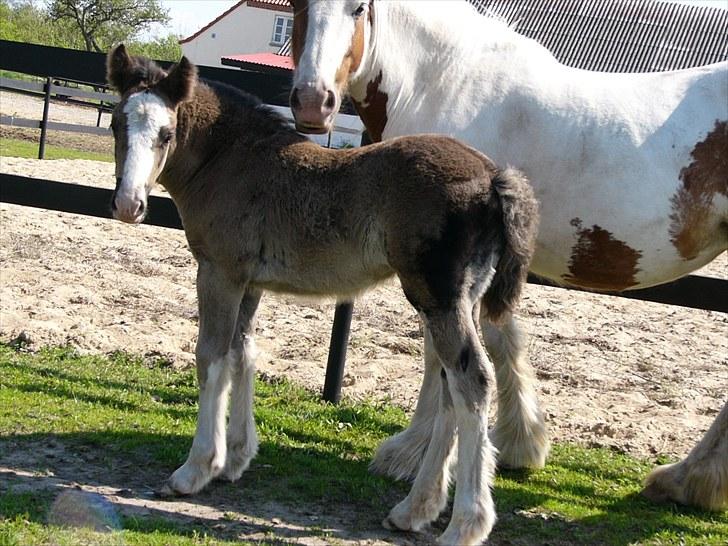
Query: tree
point(104, 22)
point(26, 21)
point(165, 48)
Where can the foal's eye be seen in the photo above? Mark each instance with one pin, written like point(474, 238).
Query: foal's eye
point(359, 10)
point(166, 137)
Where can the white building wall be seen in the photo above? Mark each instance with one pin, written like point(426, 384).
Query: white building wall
point(244, 30)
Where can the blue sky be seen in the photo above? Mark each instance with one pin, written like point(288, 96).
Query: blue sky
point(188, 16)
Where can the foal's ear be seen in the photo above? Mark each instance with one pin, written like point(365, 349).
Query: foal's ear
point(179, 85)
point(118, 67)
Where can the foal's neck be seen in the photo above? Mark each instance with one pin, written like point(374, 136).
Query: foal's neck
point(216, 120)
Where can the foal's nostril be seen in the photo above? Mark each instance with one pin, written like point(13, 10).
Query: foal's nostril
point(295, 101)
point(330, 100)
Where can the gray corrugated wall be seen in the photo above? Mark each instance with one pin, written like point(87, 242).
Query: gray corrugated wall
point(619, 35)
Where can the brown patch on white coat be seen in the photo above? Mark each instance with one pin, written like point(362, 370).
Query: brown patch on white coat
point(691, 229)
point(373, 109)
point(600, 261)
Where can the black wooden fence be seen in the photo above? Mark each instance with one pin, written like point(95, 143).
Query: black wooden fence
point(49, 62)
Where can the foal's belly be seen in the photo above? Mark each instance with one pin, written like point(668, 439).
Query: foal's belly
point(346, 278)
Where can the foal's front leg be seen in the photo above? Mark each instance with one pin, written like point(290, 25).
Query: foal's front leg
point(218, 301)
point(242, 440)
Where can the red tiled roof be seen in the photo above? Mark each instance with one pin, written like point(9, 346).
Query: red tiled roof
point(269, 60)
point(277, 5)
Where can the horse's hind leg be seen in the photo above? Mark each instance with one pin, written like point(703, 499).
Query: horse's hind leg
point(218, 302)
point(401, 455)
point(242, 439)
point(701, 479)
point(519, 433)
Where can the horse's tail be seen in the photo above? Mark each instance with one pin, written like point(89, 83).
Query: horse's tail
point(520, 225)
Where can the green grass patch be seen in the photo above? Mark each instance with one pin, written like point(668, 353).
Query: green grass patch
point(13, 147)
point(125, 422)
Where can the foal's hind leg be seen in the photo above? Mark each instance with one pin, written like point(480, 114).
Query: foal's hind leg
point(218, 302)
point(242, 440)
point(401, 455)
point(519, 433)
point(469, 377)
point(701, 479)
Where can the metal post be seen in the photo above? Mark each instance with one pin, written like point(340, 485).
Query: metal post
point(339, 339)
point(337, 352)
point(44, 122)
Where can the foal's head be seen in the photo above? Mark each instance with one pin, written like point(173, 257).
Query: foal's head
point(144, 124)
point(329, 46)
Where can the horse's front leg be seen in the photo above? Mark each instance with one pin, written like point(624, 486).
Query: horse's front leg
point(519, 433)
point(242, 440)
point(701, 479)
point(218, 301)
point(400, 456)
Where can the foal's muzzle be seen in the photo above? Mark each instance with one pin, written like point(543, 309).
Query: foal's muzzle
point(129, 210)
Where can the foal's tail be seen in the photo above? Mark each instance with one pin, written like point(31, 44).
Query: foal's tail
point(520, 225)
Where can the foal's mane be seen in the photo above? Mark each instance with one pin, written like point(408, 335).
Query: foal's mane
point(142, 74)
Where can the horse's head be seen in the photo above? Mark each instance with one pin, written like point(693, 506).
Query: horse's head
point(144, 123)
point(329, 46)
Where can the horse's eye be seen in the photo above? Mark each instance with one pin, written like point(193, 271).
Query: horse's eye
point(166, 137)
point(359, 10)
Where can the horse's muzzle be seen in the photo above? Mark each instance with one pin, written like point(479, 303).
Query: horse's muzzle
point(313, 108)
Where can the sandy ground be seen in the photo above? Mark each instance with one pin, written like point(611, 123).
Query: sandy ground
point(641, 378)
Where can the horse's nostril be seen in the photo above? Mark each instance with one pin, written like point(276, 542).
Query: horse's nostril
point(295, 101)
point(330, 100)
point(140, 208)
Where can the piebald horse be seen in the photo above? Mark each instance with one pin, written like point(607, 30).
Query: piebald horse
point(631, 171)
point(264, 208)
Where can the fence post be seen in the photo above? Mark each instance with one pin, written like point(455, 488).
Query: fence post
point(339, 339)
point(44, 122)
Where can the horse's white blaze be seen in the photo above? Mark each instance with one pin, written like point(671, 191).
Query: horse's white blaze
point(324, 52)
point(146, 115)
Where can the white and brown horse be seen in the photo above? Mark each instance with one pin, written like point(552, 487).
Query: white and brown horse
point(264, 208)
point(631, 171)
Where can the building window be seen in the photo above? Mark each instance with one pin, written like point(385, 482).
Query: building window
point(282, 29)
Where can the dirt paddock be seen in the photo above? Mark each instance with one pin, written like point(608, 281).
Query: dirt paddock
point(642, 378)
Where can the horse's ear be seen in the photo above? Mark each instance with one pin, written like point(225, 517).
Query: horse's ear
point(118, 67)
point(179, 85)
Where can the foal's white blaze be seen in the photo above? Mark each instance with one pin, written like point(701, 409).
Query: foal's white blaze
point(146, 114)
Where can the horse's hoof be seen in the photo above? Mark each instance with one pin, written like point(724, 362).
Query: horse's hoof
point(167, 491)
point(390, 525)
